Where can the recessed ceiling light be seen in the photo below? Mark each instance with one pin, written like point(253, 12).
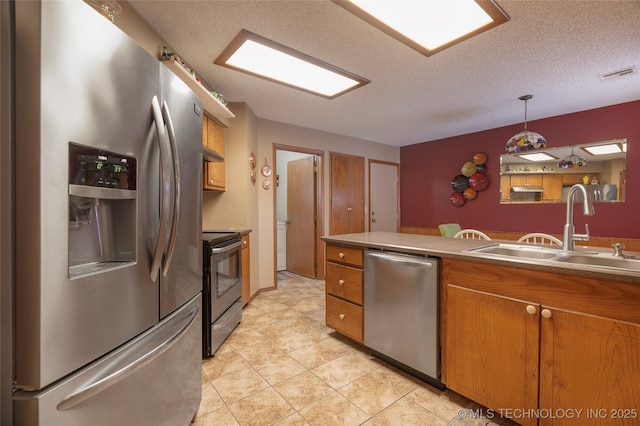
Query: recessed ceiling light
point(611, 148)
point(538, 156)
point(261, 57)
point(428, 26)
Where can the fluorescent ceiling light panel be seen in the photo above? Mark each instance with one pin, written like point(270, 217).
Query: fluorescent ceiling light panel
point(428, 26)
point(538, 156)
point(258, 56)
point(611, 148)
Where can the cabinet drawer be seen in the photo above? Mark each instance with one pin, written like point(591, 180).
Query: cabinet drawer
point(345, 317)
point(344, 282)
point(346, 255)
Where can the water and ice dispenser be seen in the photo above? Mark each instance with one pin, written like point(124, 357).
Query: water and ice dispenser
point(102, 210)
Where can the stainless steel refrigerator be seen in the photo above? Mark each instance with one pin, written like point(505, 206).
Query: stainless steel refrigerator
point(107, 226)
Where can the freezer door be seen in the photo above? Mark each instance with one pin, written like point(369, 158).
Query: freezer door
point(181, 274)
point(81, 81)
point(154, 380)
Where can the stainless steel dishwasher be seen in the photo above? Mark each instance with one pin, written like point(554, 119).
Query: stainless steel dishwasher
point(401, 314)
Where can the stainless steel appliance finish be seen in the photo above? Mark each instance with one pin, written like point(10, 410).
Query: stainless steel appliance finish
point(401, 317)
point(222, 288)
point(107, 208)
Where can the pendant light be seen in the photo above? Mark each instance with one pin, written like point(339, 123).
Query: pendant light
point(572, 161)
point(525, 140)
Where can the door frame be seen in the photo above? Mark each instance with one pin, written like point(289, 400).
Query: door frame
point(319, 209)
point(397, 166)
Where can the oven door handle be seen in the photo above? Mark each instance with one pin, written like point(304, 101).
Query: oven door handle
point(226, 248)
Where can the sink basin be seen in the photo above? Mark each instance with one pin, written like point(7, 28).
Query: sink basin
point(630, 263)
point(519, 250)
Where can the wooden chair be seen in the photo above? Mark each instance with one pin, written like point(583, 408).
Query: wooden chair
point(540, 239)
point(472, 234)
point(449, 229)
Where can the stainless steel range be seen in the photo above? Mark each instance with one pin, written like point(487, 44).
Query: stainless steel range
point(222, 288)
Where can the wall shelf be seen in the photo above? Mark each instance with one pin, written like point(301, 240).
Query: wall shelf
point(210, 104)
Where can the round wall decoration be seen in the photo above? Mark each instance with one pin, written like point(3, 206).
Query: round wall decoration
point(472, 180)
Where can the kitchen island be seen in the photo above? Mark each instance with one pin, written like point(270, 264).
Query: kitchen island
point(523, 337)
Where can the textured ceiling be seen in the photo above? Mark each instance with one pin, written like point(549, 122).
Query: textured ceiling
point(551, 49)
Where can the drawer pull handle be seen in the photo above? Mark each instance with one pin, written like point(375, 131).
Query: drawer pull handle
point(341, 255)
point(341, 282)
point(341, 316)
point(531, 309)
point(546, 313)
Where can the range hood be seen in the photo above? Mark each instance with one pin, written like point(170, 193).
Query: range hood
point(527, 189)
point(209, 155)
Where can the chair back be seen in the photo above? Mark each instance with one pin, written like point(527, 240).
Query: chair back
point(472, 234)
point(540, 239)
point(449, 229)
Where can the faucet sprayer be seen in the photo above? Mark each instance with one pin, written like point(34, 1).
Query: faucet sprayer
point(569, 235)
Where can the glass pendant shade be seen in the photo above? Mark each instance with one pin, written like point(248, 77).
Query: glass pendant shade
point(525, 140)
point(572, 161)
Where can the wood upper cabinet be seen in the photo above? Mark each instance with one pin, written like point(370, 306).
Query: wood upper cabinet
point(345, 291)
point(523, 339)
point(346, 213)
point(505, 187)
point(526, 180)
point(214, 137)
point(552, 187)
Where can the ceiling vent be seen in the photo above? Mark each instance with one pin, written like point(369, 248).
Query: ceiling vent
point(626, 72)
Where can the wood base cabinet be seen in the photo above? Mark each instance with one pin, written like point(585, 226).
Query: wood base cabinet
point(345, 291)
point(246, 270)
point(533, 345)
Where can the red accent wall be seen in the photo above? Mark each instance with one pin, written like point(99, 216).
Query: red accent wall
point(427, 169)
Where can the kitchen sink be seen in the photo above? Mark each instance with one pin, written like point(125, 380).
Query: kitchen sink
point(520, 251)
point(630, 262)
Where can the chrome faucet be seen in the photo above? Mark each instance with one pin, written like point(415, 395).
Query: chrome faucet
point(569, 235)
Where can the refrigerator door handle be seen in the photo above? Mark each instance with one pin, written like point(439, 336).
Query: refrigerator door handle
point(104, 383)
point(176, 179)
point(165, 191)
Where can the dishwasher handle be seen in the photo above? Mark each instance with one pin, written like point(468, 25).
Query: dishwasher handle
point(402, 260)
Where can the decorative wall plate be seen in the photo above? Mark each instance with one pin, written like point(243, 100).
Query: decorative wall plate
point(266, 170)
point(266, 184)
point(253, 178)
point(252, 161)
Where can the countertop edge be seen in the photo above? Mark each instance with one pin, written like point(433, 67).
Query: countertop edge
point(456, 249)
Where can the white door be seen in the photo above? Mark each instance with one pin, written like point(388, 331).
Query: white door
point(383, 196)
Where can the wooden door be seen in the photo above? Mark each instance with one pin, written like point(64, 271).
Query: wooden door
point(492, 349)
point(346, 213)
point(301, 209)
point(383, 196)
point(592, 363)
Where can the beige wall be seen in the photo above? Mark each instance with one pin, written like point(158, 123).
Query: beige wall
point(272, 132)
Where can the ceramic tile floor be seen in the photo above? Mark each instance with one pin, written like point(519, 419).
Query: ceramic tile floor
point(282, 366)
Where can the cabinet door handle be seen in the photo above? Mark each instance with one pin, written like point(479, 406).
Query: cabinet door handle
point(341, 316)
point(341, 282)
point(546, 313)
point(341, 255)
point(531, 309)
